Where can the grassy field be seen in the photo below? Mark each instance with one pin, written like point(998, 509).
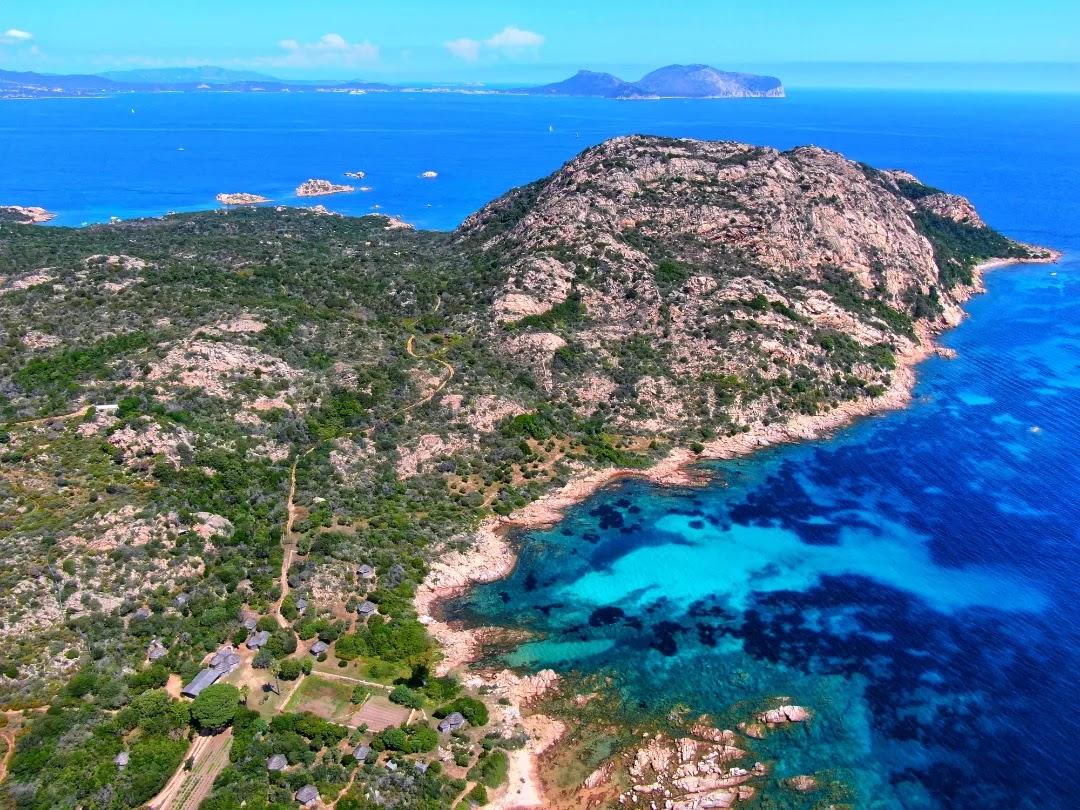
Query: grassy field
point(330, 699)
point(324, 697)
point(365, 669)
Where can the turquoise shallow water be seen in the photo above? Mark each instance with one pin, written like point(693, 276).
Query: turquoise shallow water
point(911, 579)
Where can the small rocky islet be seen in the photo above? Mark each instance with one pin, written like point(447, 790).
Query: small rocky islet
point(286, 393)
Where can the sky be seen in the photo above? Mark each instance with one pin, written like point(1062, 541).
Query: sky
point(1002, 44)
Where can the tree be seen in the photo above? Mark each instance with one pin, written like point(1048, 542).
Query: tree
point(407, 697)
point(216, 706)
point(471, 709)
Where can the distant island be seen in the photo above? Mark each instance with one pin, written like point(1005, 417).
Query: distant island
point(241, 198)
point(317, 188)
point(673, 81)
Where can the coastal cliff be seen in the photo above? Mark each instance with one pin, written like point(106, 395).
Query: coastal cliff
point(236, 412)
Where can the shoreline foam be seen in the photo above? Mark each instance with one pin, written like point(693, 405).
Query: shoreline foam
point(492, 555)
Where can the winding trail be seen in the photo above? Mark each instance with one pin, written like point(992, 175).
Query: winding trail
point(60, 417)
point(8, 736)
point(287, 541)
point(411, 350)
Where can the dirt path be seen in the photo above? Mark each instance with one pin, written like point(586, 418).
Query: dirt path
point(8, 737)
point(411, 350)
point(58, 418)
point(287, 540)
point(186, 790)
point(347, 788)
point(350, 679)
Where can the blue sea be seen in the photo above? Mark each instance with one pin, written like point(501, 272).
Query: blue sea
point(912, 580)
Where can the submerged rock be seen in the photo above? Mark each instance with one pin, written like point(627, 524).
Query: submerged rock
point(784, 715)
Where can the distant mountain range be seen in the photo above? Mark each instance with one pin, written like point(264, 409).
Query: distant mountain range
point(206, 74)
point(673, 81)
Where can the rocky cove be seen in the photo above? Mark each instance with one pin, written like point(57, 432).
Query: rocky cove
point(703, 769)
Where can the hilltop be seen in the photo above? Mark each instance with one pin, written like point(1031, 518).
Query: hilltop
point(292, 418)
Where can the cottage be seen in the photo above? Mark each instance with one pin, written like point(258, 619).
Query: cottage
point(257, 640)
point(366, 608)
point(391, 766)
point(121, 760)
point(301, 605)
point(360, 753)
point(250, 623)
point(308, 794)
point(319, 647)
point(277, 762)
point(156, 650)
point(452, 722)
point(205, 678)
point(365, 572)
point(421, 767)
point(225, 660)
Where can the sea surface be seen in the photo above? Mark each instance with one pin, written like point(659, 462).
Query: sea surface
point(912, 580)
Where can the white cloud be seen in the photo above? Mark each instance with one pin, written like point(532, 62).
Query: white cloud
point(512, 38)
point(464, 48)
point(511, 41)
point(329, 49)
point(15, 36)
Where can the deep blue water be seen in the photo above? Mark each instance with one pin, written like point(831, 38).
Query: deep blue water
point(90, 159)
point(912, 580)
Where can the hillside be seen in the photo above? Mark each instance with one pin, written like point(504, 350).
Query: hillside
point(222, 412)
point(586, 83)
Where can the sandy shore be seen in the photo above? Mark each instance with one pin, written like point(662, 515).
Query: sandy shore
point(493, 557)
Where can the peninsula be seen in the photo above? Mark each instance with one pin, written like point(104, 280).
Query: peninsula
point(26, 215)
point(244, 478)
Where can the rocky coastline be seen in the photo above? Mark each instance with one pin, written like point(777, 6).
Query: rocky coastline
point(492, 555)
point(25, 214)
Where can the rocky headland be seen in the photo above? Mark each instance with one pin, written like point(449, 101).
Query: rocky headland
point(25, 214)
point(318, 188)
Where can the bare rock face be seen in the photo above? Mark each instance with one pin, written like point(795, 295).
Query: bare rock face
point(800, 210)
point(951, 207)
point(687, 773)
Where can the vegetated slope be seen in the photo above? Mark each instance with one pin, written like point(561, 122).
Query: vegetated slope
point(652, 293)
